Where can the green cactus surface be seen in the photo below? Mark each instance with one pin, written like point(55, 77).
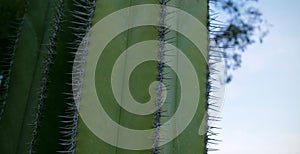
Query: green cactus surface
point(77, 75)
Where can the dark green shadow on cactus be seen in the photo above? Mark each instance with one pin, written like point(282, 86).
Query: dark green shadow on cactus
point(48, 141)
point(16, 125)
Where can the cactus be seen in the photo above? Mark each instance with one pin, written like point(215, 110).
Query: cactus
point(153, 54)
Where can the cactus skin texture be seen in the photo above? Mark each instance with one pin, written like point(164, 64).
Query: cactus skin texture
point(39, 108)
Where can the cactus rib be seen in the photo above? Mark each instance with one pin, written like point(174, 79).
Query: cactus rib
point(71, 119)
point(7, 64)
point(47, 62)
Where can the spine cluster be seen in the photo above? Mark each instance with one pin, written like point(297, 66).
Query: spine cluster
point(159, 89)
point(7, 61)
point(215, 83)
point(80, 26)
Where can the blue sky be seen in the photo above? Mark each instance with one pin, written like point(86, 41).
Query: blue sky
point(261, 114)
